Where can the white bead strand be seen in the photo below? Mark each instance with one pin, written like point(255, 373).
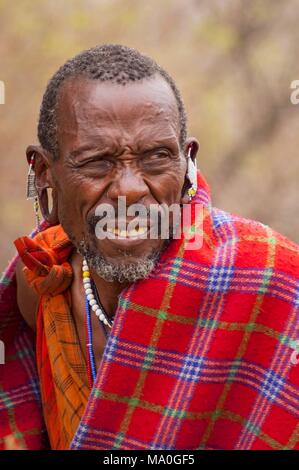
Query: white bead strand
point(91, 297)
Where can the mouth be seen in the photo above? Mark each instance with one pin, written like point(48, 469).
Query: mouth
point(125, 235)
point(128, 234)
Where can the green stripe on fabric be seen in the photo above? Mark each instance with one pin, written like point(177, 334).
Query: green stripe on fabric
point(98, 393)
point(252, 320)
point(5, 281)
point(234, 370)
point(162, 315)
point(266, 278)
point(256, 431)
point(149, 357)
point(181, 414)
point(175, 269)
point(6, 400)
point(204, 415)
point(284, 339)
point(124, 303)
point(20, 355)
point(159, 313)
point(118, 440)
point(21, 435)
point(252, 428)
point(248, 327)
point(133, 402)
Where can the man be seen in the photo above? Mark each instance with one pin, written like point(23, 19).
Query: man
point(142, 342)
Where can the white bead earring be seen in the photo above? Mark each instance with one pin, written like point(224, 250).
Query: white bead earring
point(191, 174)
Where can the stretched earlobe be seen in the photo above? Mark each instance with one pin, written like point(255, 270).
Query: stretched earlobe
point(190, 186)
point(51, 216)
point(191, 175)
point(32, 191)
point(38, 183)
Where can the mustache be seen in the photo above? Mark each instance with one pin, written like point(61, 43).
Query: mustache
point(93, 219)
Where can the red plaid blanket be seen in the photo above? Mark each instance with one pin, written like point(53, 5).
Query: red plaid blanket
point(202, 354)
point(20, 404)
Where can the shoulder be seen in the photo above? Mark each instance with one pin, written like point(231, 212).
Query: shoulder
point(253, 243)
point(43, 268)
point(27, 298)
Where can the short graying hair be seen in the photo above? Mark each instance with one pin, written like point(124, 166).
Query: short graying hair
point(109, 62)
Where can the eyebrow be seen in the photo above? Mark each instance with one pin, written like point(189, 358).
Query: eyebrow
point(83, 148)
point(147, 146)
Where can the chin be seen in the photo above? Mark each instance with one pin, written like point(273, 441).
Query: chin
point(122, 252)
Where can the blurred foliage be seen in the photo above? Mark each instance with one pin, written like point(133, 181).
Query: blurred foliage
point(233, 62)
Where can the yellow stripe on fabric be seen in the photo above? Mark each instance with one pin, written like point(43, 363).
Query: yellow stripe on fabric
point(292, 442)
point(203, 415)
point(257, 327)
point(244, 422)
point(159, 313)
point(282, 243)
point(71, 391)
point(11, 418)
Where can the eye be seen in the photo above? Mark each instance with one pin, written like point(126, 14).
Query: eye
point(100, 164)
point(156, 157)
point(104, 163)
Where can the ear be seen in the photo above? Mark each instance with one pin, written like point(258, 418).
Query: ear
point(42, 164)
point(191, 148)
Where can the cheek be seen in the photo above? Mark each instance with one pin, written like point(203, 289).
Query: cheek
point(76, 196)
point(77, 190)
point(168, 186)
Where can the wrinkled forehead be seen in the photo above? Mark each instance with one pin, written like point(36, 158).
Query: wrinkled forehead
point(93, 108)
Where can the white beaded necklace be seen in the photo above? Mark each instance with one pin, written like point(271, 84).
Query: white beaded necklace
point(91, 297)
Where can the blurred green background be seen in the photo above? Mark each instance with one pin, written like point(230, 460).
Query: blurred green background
point(233, 61)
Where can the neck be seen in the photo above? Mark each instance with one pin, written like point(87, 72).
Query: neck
point(108, 292)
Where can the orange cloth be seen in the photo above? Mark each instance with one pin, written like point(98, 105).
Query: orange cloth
point(61, 364)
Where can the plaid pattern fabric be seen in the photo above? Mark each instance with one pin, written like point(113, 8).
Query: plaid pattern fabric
point(60, 362)
point(20, 404)
point(62, 371)
point(199, 356)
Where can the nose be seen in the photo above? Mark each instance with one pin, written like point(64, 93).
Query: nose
point(129, 184)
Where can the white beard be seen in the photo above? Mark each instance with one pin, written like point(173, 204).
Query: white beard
point(122, 272)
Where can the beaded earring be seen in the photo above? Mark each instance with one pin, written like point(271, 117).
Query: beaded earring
point(191, 175)
point(32, 191)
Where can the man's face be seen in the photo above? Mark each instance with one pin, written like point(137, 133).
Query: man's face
point(116, 141)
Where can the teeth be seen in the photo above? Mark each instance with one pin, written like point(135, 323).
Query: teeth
point(127, 233)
